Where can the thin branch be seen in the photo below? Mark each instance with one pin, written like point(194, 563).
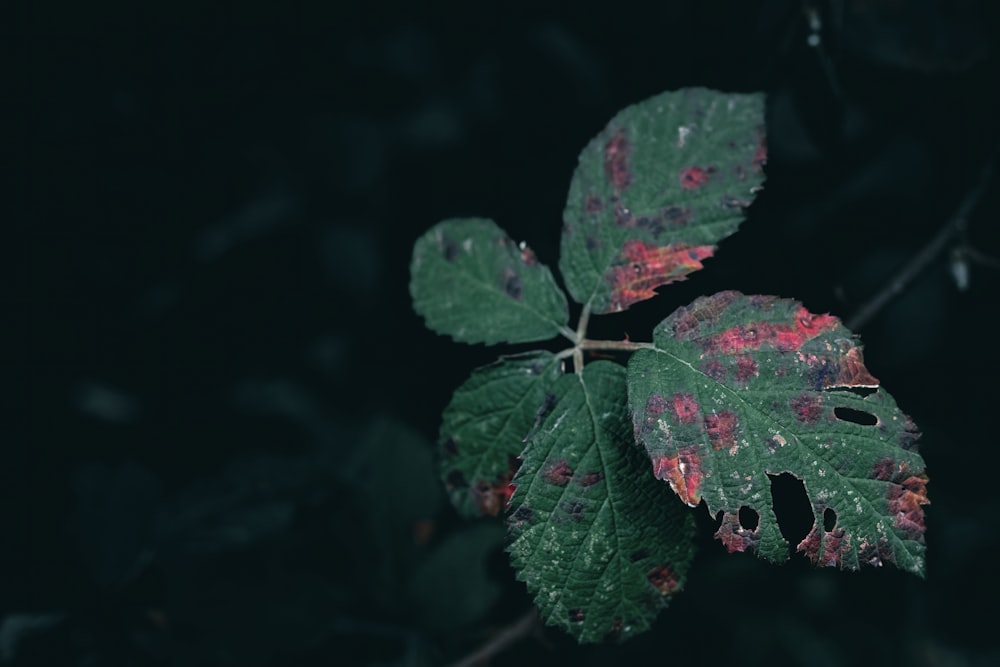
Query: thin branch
point(920, 261)
point(521, 628)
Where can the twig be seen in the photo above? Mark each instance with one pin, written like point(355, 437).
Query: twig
point(513, 633)
point(920, 261)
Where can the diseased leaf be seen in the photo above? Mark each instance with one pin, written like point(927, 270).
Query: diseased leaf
point(742, 387)
point(470, 281)
point(484, 427)
point(598, 541)
point(653, 193)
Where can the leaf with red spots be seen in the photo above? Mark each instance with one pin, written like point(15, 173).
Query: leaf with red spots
point(470, 281)
point(484, 427)
point(654, 193)
point(600, 543)
point(737, 388)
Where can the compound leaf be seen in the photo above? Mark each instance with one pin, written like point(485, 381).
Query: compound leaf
point(653, 193)
point(470, 281)
point(598, 541)
point(484, 427)
point(740, 387)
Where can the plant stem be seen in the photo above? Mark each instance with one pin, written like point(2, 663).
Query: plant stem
point(955, 225)
point(519, 629)
point(569, 334)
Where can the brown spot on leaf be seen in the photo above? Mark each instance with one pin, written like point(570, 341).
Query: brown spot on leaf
point(683, 472)
point(746, 369)
point(617, 152)
point(883, 469)
point(450, 251)
point(573, 509)
point(722, 428)
point(591, 478)
point(852, 371)
point(528, 255)
point(522, 515)
point(663, 579)
point(576, 616)
point(449, 447)
point(639, 554)
point(558, 472)
point(808, 408)
point(714, 369)
point(905, 503)
point(825, 549)
point(760, 152)
point(593, 204)
point(456, 480)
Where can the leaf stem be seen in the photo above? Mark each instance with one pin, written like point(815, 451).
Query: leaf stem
point(586, 344)
point(569, 334)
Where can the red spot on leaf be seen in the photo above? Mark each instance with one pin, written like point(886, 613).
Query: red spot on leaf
point(807, 407)
point(722, 428)
point(883, 469)
point(641, 267)
point(591, 478)
point(558, 472)
point(685, 408)
point(683, 472)
point(617, 152)
point(655, 405)
point(512, 284)
point(693, 178)
point(905, 503)
point(491, 498)
point(615, 633)
point(593, 204)
point(781, 336)
point(576, 616)
point(664, 579)
point(734, 536)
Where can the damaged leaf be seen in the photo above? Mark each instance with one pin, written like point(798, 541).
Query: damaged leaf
point(599, 542)
point(656, 190)
point(470, 281)
point(741, 387)
point(484, 428)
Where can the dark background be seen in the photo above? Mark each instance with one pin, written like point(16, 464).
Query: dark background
point(220, 450)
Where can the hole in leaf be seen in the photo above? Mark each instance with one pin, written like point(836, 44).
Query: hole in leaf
point(857, 391)
point(791, 507)
point(855, 416)
point(829, 519)
point(749, 518)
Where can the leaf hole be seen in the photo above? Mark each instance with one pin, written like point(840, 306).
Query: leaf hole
point(855, 416)
point(829, 519)
point(857, 391)
point(749, 519)
point(791, 507)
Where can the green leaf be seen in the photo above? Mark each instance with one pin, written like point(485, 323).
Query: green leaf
point(665, 181)
point(742, 387)
point(598, 541)
point(470, 281)
point(484, 427)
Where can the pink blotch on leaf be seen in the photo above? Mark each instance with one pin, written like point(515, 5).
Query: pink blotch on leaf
point(746, 368)
point(781, 336)
point(663, 579)
point(735, 537)
point(905, 503)
point(685, 408)
point(825, 549)
point(641, 267)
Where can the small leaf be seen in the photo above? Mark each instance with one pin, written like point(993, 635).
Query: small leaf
point(665, 181)
point(484, 428)
point(742, 387)
point(470, 281)
point(599, 542)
